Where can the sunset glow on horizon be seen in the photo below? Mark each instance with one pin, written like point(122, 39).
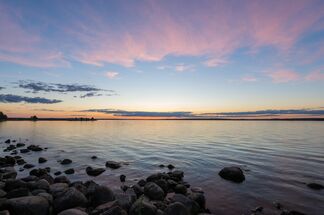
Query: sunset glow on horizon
point(162, 59)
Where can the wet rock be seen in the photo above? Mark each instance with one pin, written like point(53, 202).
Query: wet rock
point(20, 145)
point(14, 184)
point(62, 179)
point(161, 165)
point(66, 161)
point(199, 198)
point(109, 208)
point(37, 191)
point(69, 171)
point(30, 178)
point(277, 205)
point(29, 166)
point(122, 178)
point(73, 211)
point(41, 184)
point(233, 173)
point(138, 190)
point(47, 196)
point(70, 198)
point(5, 212)
point(94, 157)
point(100, 195)
point(177, 175)
point(34, 148)
point(315, 186)
point(170, 166)
point(2, 193)
point(7, 141)
point(57, 173)
point(176, 208)
point(293, 212)
point(28, 205)
point(143, 207)
point(20, 161)
point(42, 160)
point(141, 182)
point(113, 164)
point(23, 151)
point(257, 209)
point(94, 171)
point(153, 191)
point(38, 172)
point(197, 190)
point(8, 173)
point(180, 188)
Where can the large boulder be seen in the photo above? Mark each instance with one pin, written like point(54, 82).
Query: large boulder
point(176, 208)
point(58, 188)
point(28, 205)
point(142, 207)
point(73, 211)
point(233, 173)
point(71, 198)
point(153, 191)
point(109, 208)
point(190, 204)
point(101, 195)
point(315, 186)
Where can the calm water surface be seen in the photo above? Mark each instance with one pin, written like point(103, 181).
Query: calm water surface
point(278, 156)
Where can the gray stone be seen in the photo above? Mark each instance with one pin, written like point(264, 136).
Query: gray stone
point(70, 198)
point(143, 207)
point(73, 211)
point(153, 191)
point(101, 195)
point(176, 208)
point(28, 205)
point(233, 173)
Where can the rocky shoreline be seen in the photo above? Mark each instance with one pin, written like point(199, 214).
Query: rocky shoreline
point(47, 193)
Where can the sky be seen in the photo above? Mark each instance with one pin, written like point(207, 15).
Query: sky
point(169, 59)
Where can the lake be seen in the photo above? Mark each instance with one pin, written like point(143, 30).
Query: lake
point(278, 157)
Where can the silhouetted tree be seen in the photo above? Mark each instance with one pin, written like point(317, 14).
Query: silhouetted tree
point(34, 118)
point(3, 116)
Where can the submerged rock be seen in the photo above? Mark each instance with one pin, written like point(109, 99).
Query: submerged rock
point(113, 164)
point(122, 178)
point(42, 160)
point(233, 173)
point(69, 171)
point(66, 161)
point(315, 186)
point(94, 171)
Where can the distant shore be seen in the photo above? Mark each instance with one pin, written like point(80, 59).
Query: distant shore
point(203, 119)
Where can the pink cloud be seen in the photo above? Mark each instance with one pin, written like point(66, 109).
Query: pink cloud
point(249, 78)
point(315, 76)
point(284, 76)
point(112, 74)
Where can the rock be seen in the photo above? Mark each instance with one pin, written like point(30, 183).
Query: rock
point(197, 190)
point(176, 208)
point(199, 198)
point(20, 145)
point(8, 173)
point(113, 164)
point(138, 190)
point(101, 195)
point(6, 212)
point(29, 166)
point(2, 193)
point(234, 174)
point(19, 192)
point(292, 213)
point(57, 173)
point(191, 205)
point(69, 171)
point(41, 184)
point(38, 172)
point(170, 166)
point(7, 141)
point(47, 196)
point(66, 161)
point(153, 191)
point(73, 211)
point(94, 171)
point(141, 182)
point(20, 161)
point(30, 178)
point(177, 175)
point(34, 148)
point(122, 178)
point(62, 179)
point(28, 205)
point(94, 157)
point(42, 160)
point(315, 186)
point(161, 165)
point(257, 209)
point(58, 188)
point(14, 184)
point(142, 207)
point(109, 208)
point(277, 205)
point(23, 151)
point(180, 188)
point(70, 198)
point(37, 191)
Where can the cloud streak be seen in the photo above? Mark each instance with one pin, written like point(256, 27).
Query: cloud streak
point(36, 87)
point(9, 98)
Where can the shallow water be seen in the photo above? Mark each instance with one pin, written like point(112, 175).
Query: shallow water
point(278, 156)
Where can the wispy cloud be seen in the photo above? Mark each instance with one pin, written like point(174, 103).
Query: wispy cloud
point(315, 76)
point(91, 94)
point(140, 113)
point(215, 62)
point(249, 78)
point(284, 76)
point(9, 98)
point(112, 74)
point(184, 68)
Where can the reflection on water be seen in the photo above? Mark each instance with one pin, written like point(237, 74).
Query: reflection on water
point(278, 156)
